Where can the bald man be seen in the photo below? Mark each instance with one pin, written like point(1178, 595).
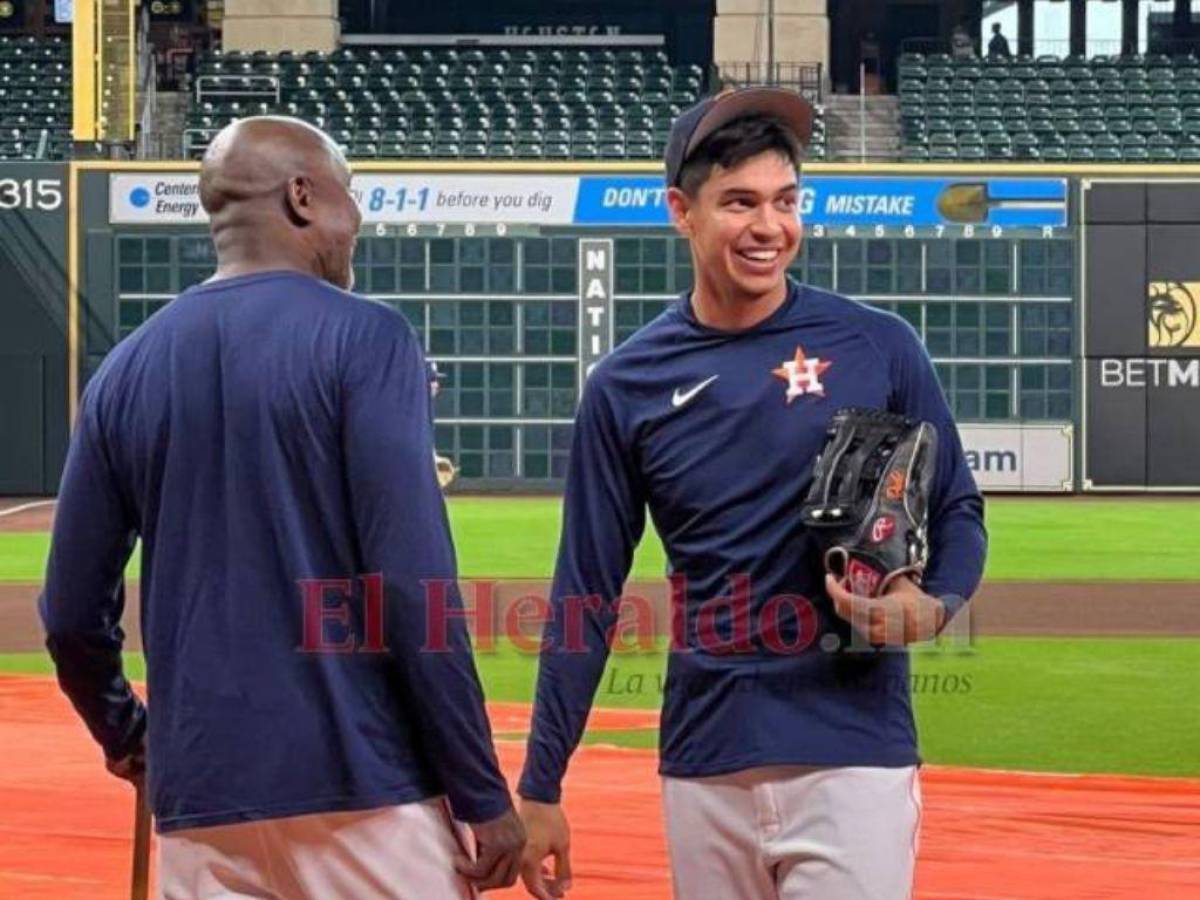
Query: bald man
point(317, 726)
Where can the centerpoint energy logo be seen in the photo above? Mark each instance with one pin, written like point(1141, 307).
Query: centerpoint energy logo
point(1171, 314)
point(147, 198)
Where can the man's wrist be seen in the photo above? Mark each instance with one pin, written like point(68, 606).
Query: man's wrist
point(951, 604)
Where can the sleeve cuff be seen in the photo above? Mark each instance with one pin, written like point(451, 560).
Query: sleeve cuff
point(952, 603)
point(474, 812)
point(539, 792)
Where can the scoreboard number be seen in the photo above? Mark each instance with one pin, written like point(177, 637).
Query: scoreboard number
point(931, 231)
point(42, 193)
point(444, 229)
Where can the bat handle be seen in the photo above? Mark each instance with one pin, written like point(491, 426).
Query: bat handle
point(139, 885)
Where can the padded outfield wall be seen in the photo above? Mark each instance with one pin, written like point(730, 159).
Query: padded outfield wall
point(519, 276)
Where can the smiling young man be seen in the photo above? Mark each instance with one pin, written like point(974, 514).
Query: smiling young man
point(788, 748)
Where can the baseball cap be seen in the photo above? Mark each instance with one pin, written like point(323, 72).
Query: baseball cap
point(697, 122)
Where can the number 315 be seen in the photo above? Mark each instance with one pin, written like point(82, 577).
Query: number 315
point(44, 193)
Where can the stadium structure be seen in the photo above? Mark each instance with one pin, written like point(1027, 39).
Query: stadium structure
point(1017, 179)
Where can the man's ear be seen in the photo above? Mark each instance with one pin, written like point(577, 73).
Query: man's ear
point(680, 205)
point(300, 201)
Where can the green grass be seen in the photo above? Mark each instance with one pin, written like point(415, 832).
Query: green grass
point(23, 557)
point(1042, 704)
point(1031, 540)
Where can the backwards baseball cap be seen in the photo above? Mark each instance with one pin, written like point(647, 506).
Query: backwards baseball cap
point(698, 122)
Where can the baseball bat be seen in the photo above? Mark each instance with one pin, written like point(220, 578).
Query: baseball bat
point(139, 886)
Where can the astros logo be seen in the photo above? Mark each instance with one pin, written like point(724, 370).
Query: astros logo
point(803, 375)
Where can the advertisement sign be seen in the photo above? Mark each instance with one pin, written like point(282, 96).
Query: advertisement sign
point(627, 201)
point(839, 202)
point(1141, 334)
point(162, 198)
point(1020, 457)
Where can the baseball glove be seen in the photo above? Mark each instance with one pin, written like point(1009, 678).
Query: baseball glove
point(868, 505)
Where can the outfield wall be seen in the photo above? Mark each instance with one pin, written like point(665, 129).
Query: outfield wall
point(1049, 298)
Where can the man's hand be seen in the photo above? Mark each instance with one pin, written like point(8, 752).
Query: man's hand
point(549, 835)
point(498, 859)
point(131, 767)
point(903, 615)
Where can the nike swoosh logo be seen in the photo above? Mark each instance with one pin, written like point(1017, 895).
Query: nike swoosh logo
point(680, 398)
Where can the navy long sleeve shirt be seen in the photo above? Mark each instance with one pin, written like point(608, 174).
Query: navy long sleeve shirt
point(715, 433)
point(259, 433)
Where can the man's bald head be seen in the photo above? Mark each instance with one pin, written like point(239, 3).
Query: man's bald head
point(277, 188)
point(255, 157)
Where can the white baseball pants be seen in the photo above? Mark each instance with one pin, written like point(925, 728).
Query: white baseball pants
point(403, 852)
point(794, 833)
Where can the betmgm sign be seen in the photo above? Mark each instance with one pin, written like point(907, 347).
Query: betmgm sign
point(1141, 335)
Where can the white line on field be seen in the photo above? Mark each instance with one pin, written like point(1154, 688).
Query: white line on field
point(13, 510)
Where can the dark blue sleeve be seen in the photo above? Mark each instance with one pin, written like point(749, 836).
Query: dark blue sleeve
point(84, 594)
point(603, 520)
point(957, 537)
point(404, 535)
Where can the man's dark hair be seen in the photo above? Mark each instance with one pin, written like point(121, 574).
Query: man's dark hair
point(734, 143)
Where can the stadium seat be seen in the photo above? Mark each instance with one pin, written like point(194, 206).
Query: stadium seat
point(601, 101)
point(1076, 106)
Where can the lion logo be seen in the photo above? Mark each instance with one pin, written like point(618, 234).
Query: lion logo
point(1172, 314)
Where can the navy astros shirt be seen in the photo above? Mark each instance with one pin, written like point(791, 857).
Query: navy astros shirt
point(715, 432)
point(258, 431)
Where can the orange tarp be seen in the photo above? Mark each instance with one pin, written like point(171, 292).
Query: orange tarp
point(65, 825)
